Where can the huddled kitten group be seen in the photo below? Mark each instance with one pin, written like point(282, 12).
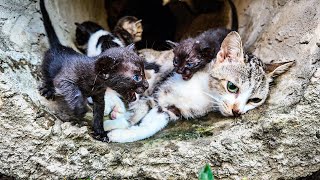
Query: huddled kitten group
point(208, 72)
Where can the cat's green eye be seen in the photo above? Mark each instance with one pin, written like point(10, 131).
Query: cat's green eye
point(232, 88)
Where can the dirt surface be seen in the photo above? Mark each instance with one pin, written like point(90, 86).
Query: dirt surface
point(279, 140)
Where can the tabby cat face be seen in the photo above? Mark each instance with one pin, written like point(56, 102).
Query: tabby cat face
point(241, 81)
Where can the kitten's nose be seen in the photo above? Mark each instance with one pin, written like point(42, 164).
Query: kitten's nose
point(236, 112)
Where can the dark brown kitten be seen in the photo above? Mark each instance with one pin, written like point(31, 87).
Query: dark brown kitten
point(192, 54)
point(76, 77)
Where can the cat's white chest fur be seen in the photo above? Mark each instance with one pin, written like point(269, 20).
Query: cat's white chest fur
point(188, 96)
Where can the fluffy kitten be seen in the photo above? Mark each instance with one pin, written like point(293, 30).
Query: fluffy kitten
point(192, 54)
point(75, 76)
point(93, 39)
point(232, 85)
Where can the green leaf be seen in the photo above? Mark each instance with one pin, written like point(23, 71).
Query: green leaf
point(206, 173)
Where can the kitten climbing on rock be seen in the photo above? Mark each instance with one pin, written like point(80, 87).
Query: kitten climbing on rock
point(192, 54)
point(75, 77)
point(232, 85)
point(127, 30)
point(93, 39)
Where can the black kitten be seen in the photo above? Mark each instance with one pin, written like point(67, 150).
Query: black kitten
point(75, 76)
point(192, 54)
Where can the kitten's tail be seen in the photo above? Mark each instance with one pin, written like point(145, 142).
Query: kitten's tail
point(52, 36)
point(235, 23)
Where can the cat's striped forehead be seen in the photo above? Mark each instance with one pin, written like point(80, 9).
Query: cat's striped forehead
point(248, 75)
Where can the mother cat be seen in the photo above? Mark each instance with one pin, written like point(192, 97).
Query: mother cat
point(232, 85)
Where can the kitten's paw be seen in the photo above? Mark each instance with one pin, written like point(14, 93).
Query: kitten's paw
point(101, 136)
point(47, 92)
point(113, 103)
point(121, 123)
point(116, 111)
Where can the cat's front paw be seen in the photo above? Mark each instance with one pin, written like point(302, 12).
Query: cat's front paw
point(120, 136)
point(101, 136)
point(120, 123)
point(47, 92)
point(113, 105)
point(118, 112)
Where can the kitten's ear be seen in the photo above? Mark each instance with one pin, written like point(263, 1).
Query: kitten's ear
point(139, 21)
point(83, 29)
point(231, 49)
point(172, 44)
point(276, 69)
point(106, 65)
point(131, 47)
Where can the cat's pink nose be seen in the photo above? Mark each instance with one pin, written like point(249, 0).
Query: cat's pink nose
point(236, 112)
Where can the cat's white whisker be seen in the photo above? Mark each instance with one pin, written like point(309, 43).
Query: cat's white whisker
point(218, 100)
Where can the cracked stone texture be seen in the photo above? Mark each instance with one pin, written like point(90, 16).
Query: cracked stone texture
point(280, 140)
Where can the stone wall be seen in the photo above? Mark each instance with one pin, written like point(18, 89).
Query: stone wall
point(278, 140)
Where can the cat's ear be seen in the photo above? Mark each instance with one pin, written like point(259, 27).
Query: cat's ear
point(172, 44)
point(231, 49)
point(106, 65)
point(276, 69)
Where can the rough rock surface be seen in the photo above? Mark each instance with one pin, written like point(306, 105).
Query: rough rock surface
point(280, 140)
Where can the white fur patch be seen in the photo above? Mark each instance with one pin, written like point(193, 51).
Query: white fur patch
point(120, 123)
point(116, 40)
point(93, 49)
point(112, 100)
point(152, 123)
point(188, 96)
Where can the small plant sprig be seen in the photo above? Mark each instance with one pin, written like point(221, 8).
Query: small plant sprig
point(206, 173)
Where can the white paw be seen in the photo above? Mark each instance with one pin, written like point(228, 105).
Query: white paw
point(113, 103)
point(121, 123)
point(121, 136)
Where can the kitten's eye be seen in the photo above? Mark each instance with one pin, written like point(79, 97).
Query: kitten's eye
point(175, 61)
point(232, 88)
point(137, 78)
point(189, 65)
point(254, 100)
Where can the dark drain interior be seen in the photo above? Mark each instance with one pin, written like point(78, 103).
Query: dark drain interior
point(162, 20)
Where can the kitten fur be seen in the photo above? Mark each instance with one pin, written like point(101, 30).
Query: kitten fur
point(75, 77)
point(192, 54)
point(130, 29)
point(158, 65)
point(93, 39)
point(232, 85)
